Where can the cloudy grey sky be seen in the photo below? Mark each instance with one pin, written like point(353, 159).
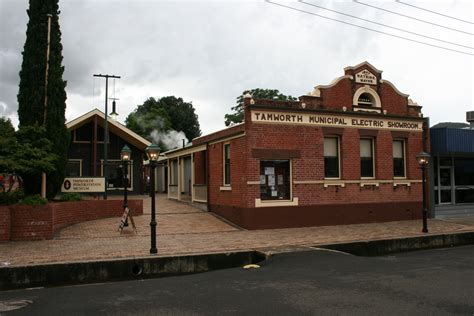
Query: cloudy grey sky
point(208, 52)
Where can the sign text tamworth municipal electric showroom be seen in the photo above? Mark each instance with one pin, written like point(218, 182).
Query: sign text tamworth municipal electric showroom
point(333, 120)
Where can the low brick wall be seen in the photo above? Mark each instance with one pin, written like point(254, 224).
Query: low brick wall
point(24, 222)
point(4, 223)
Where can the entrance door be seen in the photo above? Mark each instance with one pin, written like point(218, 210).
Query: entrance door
point(445, 185)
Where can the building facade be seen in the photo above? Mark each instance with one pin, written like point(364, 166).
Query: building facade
point(86, 152)
point(344, 153)
point(452, 147)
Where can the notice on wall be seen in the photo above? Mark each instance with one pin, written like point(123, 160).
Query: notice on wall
point(271, 180)
point(269, 170)
point(262, 179)
point(274, 193)
point(83, 185)
point(280, 179)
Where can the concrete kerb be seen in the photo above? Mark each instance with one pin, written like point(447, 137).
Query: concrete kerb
point(153, 266)
point(120, 269)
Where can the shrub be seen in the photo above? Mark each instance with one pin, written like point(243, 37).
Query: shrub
point(71, 197)
point(34, 200)
point(12, 197)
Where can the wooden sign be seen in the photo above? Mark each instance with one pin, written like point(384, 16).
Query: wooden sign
point(126, 214)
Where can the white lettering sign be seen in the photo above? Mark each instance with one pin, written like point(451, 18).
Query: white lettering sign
point(83, 185)
point(366, 77)
point(335, 121)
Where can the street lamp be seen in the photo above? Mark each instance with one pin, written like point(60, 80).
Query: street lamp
point(125, 157)
point(153, 153)
point(423, 159)
point(114, 113)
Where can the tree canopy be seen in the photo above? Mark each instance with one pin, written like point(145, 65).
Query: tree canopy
point(32, 108)
point(156, 119)
point(27, 151)
point(238, 115)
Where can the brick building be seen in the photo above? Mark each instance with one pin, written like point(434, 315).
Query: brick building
point(344, 153)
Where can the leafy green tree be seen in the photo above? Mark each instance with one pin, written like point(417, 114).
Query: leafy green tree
point(27, 152)
point(238, 115)
point(148, 117)
point(31, 95)
point(182, 116)
point(8, 145)
point(33, 153)
point(163, 115)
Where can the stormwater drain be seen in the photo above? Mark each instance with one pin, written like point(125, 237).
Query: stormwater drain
point(137, 270)
point(6, 306)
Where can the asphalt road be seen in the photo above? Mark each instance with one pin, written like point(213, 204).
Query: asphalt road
point(434, 282)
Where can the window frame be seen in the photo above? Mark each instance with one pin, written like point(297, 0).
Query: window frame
point(338, 144)
point(80, 166)
point(130, 173)
point(290, 182)
point(403, 141)
point(226, 161)
point(372, 140)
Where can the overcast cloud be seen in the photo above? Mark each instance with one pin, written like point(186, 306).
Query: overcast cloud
point(208, 52)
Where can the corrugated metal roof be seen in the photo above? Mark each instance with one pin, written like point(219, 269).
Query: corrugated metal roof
point(452, 140)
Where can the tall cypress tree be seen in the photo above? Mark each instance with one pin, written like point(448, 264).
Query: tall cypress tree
point(31, 95)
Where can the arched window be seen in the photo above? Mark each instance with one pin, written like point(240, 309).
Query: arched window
point(366, 99)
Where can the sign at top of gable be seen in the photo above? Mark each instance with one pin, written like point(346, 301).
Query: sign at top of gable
point(366, 77)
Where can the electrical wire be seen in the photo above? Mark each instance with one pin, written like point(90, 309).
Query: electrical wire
point(369, 29)
point(434, 12)
point(411, 17)
point(385, 25)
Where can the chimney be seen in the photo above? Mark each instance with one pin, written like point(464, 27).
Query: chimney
point(470, 119)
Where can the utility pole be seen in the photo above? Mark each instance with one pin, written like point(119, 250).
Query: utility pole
point(106, 131)
point(48, 44)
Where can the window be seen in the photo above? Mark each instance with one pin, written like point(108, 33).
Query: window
point(399, 158)
point(226, 164)
point(366, 158)
point(365, 99)
point(275, 182)
point(73, 168)
point(115, 174)
point(331, 157)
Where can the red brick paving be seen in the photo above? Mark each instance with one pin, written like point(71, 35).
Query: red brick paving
point(183, 229)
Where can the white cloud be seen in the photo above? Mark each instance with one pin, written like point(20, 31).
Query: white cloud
point(208, 52)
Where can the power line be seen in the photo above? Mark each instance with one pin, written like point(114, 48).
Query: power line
point(369, 29)
point(411, 17)
point(385, 25)
point(434, 12)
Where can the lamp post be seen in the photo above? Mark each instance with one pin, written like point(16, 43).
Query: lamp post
point(125, 157)
point(153, 152)
point(423, 159)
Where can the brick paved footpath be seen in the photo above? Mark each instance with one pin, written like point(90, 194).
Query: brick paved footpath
point(183, 229)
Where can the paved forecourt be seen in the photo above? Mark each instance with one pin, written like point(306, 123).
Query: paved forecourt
point(183, 229)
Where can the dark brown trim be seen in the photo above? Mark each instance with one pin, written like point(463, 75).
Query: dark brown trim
point(275, 153)
point(368, 132)
point(399, 134)
point(332, 131)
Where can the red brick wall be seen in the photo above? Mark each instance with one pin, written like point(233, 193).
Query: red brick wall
point(200, 167)
point(24, 222)
point(4, 223)
point(238, 205)
point(353, 202)
point(238, 171)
